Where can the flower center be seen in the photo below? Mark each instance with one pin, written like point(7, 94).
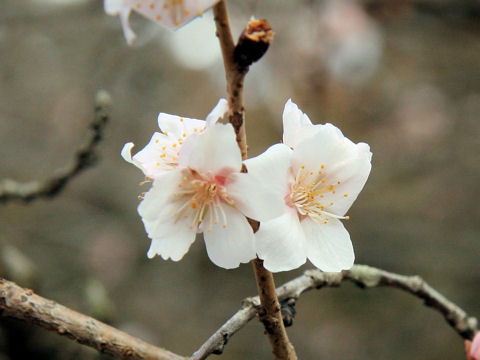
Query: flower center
point(202, 200)
point(308, 195)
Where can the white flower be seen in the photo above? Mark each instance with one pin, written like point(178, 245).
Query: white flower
point(169, 13)
point(162, 152)
point(208, 193)
point(324, 174)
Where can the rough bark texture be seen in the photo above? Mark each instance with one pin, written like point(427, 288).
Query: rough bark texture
point(17, 302)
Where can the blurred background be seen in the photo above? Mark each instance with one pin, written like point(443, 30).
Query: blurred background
point(401, 75)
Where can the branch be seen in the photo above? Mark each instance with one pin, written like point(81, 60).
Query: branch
point(84, 158)
point(253, 43)
point(364, 277)
point(19, 303)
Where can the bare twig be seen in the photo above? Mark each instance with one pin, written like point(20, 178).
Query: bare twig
point(236, 60)
point(234, 74)
point(17, 302)
point(364, 277)
point(84, 158)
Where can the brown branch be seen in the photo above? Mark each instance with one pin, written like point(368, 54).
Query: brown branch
point(234, 74)
point(253, 43)
point(17, 302)
point(84, 158)
point(364, 277)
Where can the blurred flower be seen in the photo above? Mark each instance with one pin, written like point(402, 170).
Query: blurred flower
point(323, 174)
point(207, 193)
point(162, 152)
point(473, 348)
point(169, 13)
point(349, 40)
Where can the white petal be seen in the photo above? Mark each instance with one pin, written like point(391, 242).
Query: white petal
point(171, 125)
point(173, 244)
point(228, 247)
point(215, 151)
point(127, 30)
point(281, 243)
point(329, 247)
point(172, 14)
point(113, 7)
point(158, 155)
point(296, 124)
point(218, 112)
point(158, 201)
point(353, 174)
point(260, 193)
point(127, 155)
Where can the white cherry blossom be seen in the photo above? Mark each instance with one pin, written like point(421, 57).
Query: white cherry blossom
point(168, 13)
point(162, 152)
point(325, 172)
point(207, 192)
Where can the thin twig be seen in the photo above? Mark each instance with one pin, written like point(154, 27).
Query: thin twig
point(17, 302)
point(84, 158)
point(234, 74)
point(364, 277)
point(270, 314)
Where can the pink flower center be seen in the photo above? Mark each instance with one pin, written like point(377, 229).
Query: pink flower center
point(202, 199)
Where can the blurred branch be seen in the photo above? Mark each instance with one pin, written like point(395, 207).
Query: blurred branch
point(361, 275)
point(17, 302)
point(85, 157)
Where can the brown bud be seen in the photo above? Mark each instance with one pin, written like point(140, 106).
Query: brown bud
point(253, 42)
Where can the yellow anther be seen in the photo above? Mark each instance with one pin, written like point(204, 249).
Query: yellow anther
point(324, 181)
point(152, 5)
point(163, 155)
point(184, 135)
point(322, 166)
point(158, 17)
point(347, 217)
point(181, 119)
point(174, 145)
point(303, 166)
point(345, 194)
point(156, 141)
point(157, 164)
point(224, 225)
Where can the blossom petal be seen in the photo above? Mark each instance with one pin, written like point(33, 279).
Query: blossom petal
point(113, 7)
point(260, 193)
point(218, 112)
point(174, 244)
point(171, 14)
point(296, 124)
point(229, 246)
point(475, 347)
point(328, 245)
point(174, 126)
point(158, 201)
point(342, 163)
point(127, 154)
point(130, 36)
point(215, 151)
point(281, 243)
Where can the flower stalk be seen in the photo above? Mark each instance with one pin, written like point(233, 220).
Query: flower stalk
point(270, 311)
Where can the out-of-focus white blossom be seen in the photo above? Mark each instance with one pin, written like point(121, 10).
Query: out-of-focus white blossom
point(168, 13)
